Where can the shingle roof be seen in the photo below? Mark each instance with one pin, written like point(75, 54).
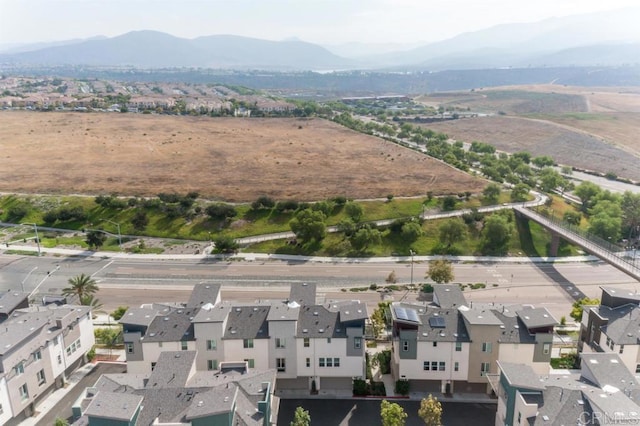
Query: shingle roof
point(513, 329)
point(173, 326)
point(139, 316)
point(282, 312)
point(442, 325)
point(210, 313)
point(448, 296)
point(606, 368)
point(303, 293)
point(9, 300)
point(247, 322)
point(178, 365)
point(536, 318)
point(354, 311)
point(201, 406)
point(479, 316)
point(204, 293)
point(521, 375)
point(317, 321)
point(114, 406)
point(622, 326)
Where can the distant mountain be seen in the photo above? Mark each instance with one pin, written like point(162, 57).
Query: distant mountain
point(153, 49)
point(18, 48)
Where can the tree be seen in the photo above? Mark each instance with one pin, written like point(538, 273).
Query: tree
point(605, 226)
point(347, 227)
point(392, 414)
point(263, 202)
point(119, 312)
point(520, 192)
point(221, 211)
point(301, 417)
point(309, 225)
point(543, 161)
point(440, 271)
point(449, 203)
point(95, 239)
point(81, 285)
point(452, 231)
point(364, 237)
point(60, 422)
point(496, 234)
point(225, 244)
point(550, 179)
point(578, 306)
point(587, 191)
point(430, 411)
point(572, 217)
point(411, 231)
point(492, 193)
point(630, 211)
point(378, 318)
point(139, 220)
point(354, 211)
point(91, 300)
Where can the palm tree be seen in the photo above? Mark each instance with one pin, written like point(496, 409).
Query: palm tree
point(80, 286)
point(90, 300)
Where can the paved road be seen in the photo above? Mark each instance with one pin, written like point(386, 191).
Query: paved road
point(132, 282)
point(367, 413)
point(63, 408)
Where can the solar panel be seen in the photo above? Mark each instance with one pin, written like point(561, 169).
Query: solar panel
point(401, 314)
point(437, 322)
point(413, 315)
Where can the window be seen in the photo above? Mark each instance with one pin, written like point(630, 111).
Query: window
point(519, 417)
point(247, 343)
point(24, 392)
point(280, 343)
point(336, 362)
point(40, 377)
point(637, 368)
point(37, 355)
point(435, 344)
point(250, 362)
point(458, 346)
point(546, 348)
point(321, 362)
point(425, 366)
point(357, 342)
point(308, 362)
point(306, 342)
point(159, 344)
point(55, 340)
point(328, 339)
point(281, 365)
point(78, 343)
point(211, 345)
point(621, 349)
point(486, 347)
point(434, 365)
point(456, 366)
point(329, 362)
point(484, 368)
point(69, 351)
point(59, 359)
point(441, 366)
point(19, 369)
point(405, 345)
point(183, 345)
point(1, 410)
point(129, 347)
point(153, 366)
point(212, 364)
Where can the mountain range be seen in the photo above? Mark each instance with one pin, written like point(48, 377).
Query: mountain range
point(602, 39)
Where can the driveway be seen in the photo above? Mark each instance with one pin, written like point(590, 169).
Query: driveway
point(367, 412)
point(63, 408)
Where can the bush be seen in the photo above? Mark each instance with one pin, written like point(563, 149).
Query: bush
point(221, 211)
point(16, 213)
point(91, 354)
point(225, 245)
point(287, 206)
point(402, 387)
point(263, 202)
point(427, 288)
point(359, 387)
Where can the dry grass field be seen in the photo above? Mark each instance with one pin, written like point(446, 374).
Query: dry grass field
point(229, 159)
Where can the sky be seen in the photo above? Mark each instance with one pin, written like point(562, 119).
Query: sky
point(327, 22)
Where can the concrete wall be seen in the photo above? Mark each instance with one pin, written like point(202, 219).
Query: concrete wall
point(413, 369)
point(6, 413)
point(350, 366)
point(234, 351)
point(286, 332)
point(204, 332)
point(480, 334)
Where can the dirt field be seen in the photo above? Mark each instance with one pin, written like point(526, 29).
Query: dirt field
point(540, 137)
point(229, 159)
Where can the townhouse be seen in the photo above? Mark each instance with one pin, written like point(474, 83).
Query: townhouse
point(39, 347)
point(603, 392)
point(451, 345)
point(310, 346)
point(175, 392)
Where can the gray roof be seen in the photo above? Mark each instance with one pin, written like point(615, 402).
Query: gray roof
point(560, 406)
point(304, 293)
point(201, 406)
point(247, 322)
point(176, 370)
point(442, 325)
point(318, 321)
point(211, 313)
point(479, 316)
point(9, 300)
point(173, 326)
point(622, 326)
point(354, 311)
point(606, 368)
point(621, 293)
point(536, 318)
point(204, 293)
point(513, 329)
point(521, 376)
point(448, 296)
point(139, 316)
point(114, 406)
point(283, 312)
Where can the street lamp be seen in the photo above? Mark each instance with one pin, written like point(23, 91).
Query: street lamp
point(412, 254)
point(27, 277)
point(119, 235)
point(35, 227)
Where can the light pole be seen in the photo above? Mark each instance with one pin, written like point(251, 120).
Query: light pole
point(27, 277)
point(119, 234)
point(35, 228)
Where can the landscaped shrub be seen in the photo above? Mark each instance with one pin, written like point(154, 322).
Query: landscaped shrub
point(402, 387)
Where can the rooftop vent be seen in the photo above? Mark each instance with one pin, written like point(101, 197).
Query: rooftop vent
point(304, 330)
point(321, 330)
point(315, 313)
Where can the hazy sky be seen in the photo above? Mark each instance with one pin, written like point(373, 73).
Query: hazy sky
point(319, 21)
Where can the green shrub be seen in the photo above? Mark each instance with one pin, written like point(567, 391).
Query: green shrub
point(402, 387)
